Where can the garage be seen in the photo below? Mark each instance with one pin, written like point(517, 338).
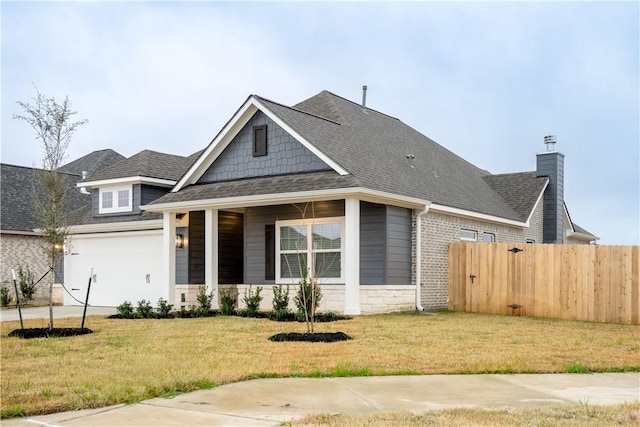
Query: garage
point(127, 266)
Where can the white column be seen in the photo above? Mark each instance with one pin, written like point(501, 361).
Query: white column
point(169, 256)
point(211, 254)
point(351, 261)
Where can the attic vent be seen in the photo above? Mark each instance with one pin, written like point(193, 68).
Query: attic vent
point(259, 141)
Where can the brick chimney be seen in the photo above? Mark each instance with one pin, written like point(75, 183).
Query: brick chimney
point(551, 164)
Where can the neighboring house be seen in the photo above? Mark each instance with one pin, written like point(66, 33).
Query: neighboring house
point(20, 245)
point(329, 186)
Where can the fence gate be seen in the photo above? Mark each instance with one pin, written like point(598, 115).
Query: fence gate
point(581, 282)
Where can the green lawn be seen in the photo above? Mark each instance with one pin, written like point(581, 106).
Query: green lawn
point(132, 360)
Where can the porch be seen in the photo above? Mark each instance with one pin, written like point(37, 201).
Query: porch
point(360, 252)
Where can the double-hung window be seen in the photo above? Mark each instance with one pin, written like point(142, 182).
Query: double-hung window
point(310, 248)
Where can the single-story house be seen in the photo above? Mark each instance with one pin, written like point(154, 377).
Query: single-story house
point(328, 187)
point(20, 244)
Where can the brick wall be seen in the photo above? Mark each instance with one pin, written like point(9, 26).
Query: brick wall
point(25, 250)
point(438, 230)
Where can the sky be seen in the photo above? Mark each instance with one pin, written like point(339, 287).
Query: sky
point(486, 80)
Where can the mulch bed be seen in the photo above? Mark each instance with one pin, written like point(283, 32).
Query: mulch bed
point(311, 337)
point(28, 333)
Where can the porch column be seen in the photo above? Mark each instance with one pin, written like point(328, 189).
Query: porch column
point(169, 256)
point(351, 261)
point(211, 254)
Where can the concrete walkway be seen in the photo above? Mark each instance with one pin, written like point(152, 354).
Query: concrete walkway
point(271, 402)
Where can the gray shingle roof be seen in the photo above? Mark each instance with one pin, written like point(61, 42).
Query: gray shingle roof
point(17, 184)
point(92, 162)
point(147, 163)
point(262, 185)
point(374, 147)
point(520, 190)
point(84, 216)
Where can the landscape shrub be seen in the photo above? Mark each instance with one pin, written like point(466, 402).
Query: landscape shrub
point(26, 281)
point(4, 296)
point(144, 310)
point(205, 301)
point(228, 300)
point(280, 303)
point(164, 308)
point(307, 300)
point(125, 310)
point(252, 301)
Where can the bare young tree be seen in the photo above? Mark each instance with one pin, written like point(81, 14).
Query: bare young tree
point(54, 129)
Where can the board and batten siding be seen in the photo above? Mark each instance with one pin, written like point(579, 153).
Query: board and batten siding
point(257, 218)
point(385, 239)
point(373, 237)
point(182, 260)
point(398, 246)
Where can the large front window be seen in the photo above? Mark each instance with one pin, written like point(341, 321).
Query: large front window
point(310, 247)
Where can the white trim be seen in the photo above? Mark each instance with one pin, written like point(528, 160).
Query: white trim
point(231, 129)
point(211, 255)
point(115, 199)
point(128, 180)
point(22, 233)
point(116, 227)
point(538, 200)
point(351, 256)
point(419, 306)
point(169, 256)
point(364, 194)
point(475, 215)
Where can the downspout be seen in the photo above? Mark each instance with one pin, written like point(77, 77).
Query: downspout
point(419, 257)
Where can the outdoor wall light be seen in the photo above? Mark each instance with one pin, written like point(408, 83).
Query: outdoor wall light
point(179, 240)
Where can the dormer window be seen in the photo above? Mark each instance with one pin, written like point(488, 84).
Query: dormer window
point(115, 199)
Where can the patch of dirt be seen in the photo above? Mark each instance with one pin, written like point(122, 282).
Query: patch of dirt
point(29, 333)
point(311, 337)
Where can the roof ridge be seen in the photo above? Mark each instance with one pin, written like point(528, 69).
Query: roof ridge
point(33, 168)
point(360, 105)
point(297, 110)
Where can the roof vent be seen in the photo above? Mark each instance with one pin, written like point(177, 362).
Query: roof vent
point(364, 97)
point(550, 141)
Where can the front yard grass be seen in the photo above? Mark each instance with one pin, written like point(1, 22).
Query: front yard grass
point(125, 361)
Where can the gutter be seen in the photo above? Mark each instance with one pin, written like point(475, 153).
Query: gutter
point(419, 257)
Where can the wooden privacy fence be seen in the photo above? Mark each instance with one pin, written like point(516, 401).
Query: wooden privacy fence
point(579, 282)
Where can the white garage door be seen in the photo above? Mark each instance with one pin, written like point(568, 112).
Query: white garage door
point(126, 267)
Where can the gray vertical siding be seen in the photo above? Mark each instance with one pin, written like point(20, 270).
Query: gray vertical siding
point(398, 246)
point(195, 245)
point(257, 218)
point(285, 155)
point(182, 260)
point(373, 236)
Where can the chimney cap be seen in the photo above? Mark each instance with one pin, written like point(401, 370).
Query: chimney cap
point(550, 142)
